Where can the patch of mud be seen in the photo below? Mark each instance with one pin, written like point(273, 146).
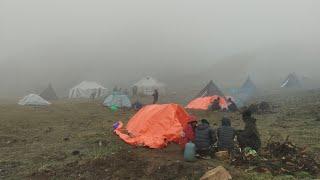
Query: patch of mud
point(128, 165)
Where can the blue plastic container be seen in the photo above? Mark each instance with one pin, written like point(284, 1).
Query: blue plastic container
point(190, 152)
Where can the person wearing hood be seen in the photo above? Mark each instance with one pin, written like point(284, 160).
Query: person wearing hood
point(205, 138)
point(232, 107)
point(215, 106)
point(155, 96)
point(249, 137)
point(226, 135)
point(189, 131)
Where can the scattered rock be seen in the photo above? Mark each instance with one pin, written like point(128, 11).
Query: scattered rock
point(49, 129)
point(75, 152)
point(222, 155)
point(218, 173)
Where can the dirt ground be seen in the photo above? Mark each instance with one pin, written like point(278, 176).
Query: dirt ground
point(74, 140)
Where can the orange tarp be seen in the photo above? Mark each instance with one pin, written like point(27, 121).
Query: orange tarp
point(155, 125)
point(203, 103)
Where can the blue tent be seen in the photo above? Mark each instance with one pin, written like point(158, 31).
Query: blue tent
point(248, 87)
point(119, 100)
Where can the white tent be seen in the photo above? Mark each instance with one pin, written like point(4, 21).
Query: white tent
point(119, 100)
point(147, 85)
point(85, 90)
point(33, 100)
point(292, 81)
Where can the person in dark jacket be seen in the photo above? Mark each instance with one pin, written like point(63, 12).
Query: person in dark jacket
point(225, 134)
point(205, 137)
point(249, 137)
point(155, 96)
point(232, 107)
point(215, 106)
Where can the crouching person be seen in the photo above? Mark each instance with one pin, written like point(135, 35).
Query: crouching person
point(189, 132)
point(225, 135)
point(249, 137)
point(205, 138)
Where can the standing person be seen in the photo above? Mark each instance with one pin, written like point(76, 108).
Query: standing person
point(205, 137)
point(93, 95)
point(155, 96)
point(249, 137)
point(135, 90)
point(225, 134)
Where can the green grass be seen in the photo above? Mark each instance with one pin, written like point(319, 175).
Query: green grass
point(32, 139)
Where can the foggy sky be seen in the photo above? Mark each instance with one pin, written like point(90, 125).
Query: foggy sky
point(118, 42)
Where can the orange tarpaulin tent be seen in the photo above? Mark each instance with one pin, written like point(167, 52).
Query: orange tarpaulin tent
point(155, 125)
point(203, 103)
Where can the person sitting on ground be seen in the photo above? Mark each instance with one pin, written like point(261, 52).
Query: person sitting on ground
point(205, 138)
point(249, 137)
point(137, 106)
point(264, 107)
point(215, 106)
point(232, 107)
point(189, 131)
point(225, 134)
point(155, 96)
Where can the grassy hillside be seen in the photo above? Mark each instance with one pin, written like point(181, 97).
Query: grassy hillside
point(74, 140)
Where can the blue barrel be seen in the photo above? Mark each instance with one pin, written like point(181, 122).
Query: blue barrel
point(190, 152)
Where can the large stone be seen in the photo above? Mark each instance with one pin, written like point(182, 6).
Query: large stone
point(218, 173)
point(222, 155)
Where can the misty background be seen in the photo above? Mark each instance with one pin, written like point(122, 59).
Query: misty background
point(182, 43)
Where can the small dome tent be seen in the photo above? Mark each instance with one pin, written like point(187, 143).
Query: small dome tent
point(203, 103)
point(86, 88)
point(119, 100)
point(33, 100)
point(147, 85)
point(292, 81)
point(248, 87)
point(206, 96)
point(49, 94)
point(210, 90)
point(154, 126)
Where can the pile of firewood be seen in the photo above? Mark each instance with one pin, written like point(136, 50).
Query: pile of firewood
point(279, 158)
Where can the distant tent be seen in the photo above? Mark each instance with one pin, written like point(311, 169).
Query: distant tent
point(292, 81)
point(203, 103)
point(49, 94)
point(147, 85)
point(119, 100)
point(33, 100)
point(86, 88)
point(248, 87)
point(154, 126)
point(210, 90)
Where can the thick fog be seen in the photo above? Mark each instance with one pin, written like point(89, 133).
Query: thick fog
point(117, 42)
